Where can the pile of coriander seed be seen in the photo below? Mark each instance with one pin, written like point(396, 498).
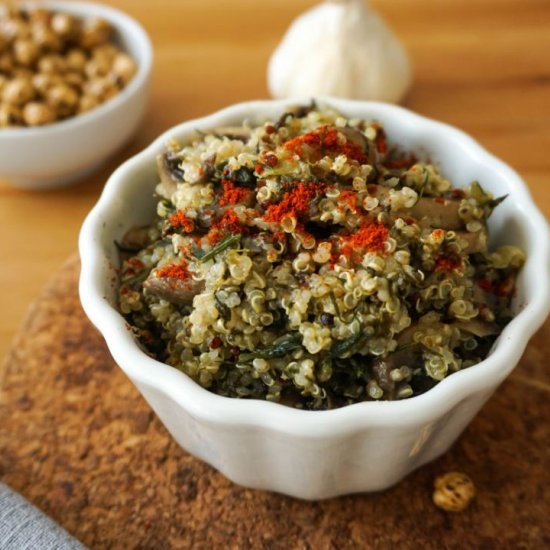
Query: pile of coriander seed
point(54, 65)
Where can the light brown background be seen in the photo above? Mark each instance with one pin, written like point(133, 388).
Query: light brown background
point(482, 65)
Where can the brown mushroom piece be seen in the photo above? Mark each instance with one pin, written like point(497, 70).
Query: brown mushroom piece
point(208, 168)
point(433, 212)
point(441, 213)
point(169, 171)
point(383, 365)
point(355, 136)
point(381, 368)
point(239, 133)
point(478, 328)
point(406, 335)
point(476, 242)
point(176, 291)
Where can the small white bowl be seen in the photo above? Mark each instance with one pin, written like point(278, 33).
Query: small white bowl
point(63, 152)
point(318, 454)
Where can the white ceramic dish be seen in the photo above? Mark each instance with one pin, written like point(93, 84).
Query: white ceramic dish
point(318, 454)
point(61, 153)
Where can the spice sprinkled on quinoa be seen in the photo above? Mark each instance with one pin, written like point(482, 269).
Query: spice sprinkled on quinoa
point(309, 261)
point(179, 219)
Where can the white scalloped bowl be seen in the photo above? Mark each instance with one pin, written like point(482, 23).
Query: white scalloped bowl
point(318, 454)
point(61, 153)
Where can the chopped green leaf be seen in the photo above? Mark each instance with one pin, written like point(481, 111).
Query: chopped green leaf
point(286, 344)
point(479, 194)
point(197, 251)
point(244, 176)
point(424, 183)
point(493, 203)
point(342, 347)
point(485, 199)
point(221, 246)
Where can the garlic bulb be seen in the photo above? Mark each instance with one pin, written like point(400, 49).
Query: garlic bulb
point(340, 48)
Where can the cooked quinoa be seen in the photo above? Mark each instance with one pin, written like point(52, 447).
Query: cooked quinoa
point(306, 261)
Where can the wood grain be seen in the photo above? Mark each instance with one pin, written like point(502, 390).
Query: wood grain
point(482, 65)
point(78, 441)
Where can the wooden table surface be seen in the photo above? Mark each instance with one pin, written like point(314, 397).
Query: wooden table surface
point(482, 65)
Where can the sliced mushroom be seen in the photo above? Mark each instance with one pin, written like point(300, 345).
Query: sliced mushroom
point(355, 136)
point(169, 171)
point(208, 168)
point(477, 242)
point(406, 335)
point(479, 328)
point(176, 291)
point(382, 367)
point(239, 133)
point(438, 212)
point(441, 213)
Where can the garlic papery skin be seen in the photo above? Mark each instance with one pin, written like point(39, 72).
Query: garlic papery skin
point(340, 48)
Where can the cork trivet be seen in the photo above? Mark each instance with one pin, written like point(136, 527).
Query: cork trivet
point(78, 441)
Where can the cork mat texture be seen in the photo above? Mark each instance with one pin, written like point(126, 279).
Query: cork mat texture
point(78, 441)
